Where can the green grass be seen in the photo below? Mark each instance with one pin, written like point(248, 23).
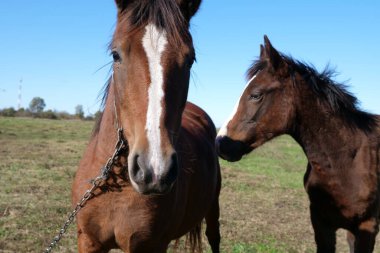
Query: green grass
point(264, 208)
point(38, 161)
point(281, 160)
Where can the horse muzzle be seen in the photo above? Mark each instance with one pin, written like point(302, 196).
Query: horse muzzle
point(148, 180)
point(229, 149)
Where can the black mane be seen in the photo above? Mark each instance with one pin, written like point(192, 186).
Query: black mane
point(164, 14)
point(103, 95)
point(330, 93)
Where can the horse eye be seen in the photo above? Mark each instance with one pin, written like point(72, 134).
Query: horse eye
point(115, 56)
point(256, 96)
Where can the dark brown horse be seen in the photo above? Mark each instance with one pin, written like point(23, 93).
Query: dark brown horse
point(341, 142)
point(168, 180)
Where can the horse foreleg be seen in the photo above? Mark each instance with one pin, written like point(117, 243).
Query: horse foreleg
point(365, 238)
point(212, 227)
point(86, 244)
point(325, 236)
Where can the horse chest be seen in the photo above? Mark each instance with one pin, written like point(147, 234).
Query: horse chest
point(133, 220)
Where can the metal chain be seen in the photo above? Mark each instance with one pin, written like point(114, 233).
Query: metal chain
point(104, 174)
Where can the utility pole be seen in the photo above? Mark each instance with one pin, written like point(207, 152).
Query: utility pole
point(19, 95)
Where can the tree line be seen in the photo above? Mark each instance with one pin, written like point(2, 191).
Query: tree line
point(36, 109)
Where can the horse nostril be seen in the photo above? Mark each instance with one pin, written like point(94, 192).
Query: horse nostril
point(139, 171)
point(146, 181)
point(174, 159)
point(172, 171)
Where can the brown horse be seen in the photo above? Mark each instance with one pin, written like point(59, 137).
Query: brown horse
point(168, 179)
point(341, 142)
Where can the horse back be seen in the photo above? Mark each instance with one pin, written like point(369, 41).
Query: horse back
point(195, 120)
point(196, 144)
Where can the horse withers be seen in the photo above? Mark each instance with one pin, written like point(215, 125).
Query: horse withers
point(341, 142)
point(168, 179)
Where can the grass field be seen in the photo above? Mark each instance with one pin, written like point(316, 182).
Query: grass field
point(264, 208)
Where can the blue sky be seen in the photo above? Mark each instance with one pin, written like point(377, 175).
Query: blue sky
point(57, 47)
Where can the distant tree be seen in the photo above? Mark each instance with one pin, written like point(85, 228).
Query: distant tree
point(64, 115)
point(49, 114)
point(89, 117)
point(22, 112)
point(37, 105)
point(79, 113)
point(8, 112)
point(98, 115)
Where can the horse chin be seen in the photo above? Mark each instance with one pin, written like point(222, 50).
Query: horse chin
point(152, 190)
point(254, 146)
point(256, 143)
point(231, 158)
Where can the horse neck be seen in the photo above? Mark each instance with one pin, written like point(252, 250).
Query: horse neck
point(320, 131)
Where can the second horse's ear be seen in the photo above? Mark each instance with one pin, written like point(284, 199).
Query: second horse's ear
point(262, 52)
point(123, 4)
point(189, 7)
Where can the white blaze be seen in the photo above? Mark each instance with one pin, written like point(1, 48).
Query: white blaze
point(154, 42)
point(223, 130)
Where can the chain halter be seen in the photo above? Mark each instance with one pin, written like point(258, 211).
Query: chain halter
point(120, 146)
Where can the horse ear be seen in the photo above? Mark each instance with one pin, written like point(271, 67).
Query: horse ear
point(189, 7)
point(271, 54)
point(262, 52)
point(122, 4)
